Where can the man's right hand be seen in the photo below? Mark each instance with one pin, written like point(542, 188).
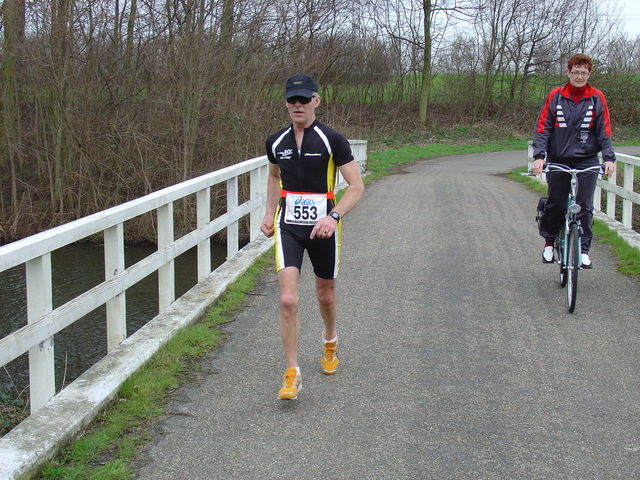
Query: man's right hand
point(266, 226)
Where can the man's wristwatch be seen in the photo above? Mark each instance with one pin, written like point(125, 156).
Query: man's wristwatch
point(335, 215)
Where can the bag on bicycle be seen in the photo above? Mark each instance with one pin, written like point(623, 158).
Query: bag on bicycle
point(541, 203)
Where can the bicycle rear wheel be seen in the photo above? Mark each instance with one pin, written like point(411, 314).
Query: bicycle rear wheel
point(573, 266)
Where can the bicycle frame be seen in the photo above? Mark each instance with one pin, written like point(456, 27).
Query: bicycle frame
point(571, 215)
point(568, 242)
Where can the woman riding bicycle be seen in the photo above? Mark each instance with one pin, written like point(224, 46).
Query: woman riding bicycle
point(572, 128)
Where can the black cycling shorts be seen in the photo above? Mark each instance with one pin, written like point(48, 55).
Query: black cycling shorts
point(292, 240)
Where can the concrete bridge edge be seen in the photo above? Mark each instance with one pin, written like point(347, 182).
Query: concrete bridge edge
point(627, 234)
point(25, 450)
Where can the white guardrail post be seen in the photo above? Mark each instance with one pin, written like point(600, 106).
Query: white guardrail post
point(611, 197)
point(39, 303)
point(203, 206)
point(114, 265)
point(166, 273)
point(257, 188)
point(627, 204)
point(233, 235)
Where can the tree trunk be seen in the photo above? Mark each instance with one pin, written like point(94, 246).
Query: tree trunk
point(14, 21)
point(425, 89)
point(60, 18)
point(128, 56)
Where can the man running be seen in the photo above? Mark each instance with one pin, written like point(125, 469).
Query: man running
point(303, 215)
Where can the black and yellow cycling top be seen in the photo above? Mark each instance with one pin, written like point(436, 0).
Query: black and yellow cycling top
point(313, 168)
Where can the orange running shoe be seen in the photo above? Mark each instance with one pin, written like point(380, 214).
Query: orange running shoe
point(291, 385)
point(329, 360)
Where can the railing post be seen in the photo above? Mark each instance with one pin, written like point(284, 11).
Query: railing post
point(42, 373)
point(166, 273)
point(359, 149)
point(203, 199)
point(232, 228)
point(258, 180)
point(627, 205)
point(611, 199)
point(113, 265)
point(597, 198)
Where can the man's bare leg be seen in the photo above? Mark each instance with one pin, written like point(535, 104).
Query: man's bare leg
point(288, 314)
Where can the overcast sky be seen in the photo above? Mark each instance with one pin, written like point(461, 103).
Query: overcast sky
point(631, 16)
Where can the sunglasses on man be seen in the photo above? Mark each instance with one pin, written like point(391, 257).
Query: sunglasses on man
point(302, 100)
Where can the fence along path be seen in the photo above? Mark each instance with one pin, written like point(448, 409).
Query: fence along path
point(57, 419)
point(458, 357)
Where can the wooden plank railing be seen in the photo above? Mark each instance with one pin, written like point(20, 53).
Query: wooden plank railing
point(626, 164)
point(43, 322)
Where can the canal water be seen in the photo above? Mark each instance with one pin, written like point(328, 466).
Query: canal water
point(75, 269)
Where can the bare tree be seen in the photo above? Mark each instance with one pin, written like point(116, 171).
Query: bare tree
point(13, 14)
point(61, 64)
point(107, 100)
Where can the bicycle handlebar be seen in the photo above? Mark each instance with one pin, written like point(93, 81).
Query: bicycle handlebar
point(563, 168)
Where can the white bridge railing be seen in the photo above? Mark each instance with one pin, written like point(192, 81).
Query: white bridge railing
point(627, 165)
point(43, 322)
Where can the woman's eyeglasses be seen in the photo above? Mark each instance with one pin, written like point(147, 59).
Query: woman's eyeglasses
point(579, 74)
point(302, 100)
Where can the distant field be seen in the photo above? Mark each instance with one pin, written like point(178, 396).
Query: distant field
point(448, 88)
point(445, 88)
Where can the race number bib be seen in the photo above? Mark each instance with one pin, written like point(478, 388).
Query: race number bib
point(305, 208)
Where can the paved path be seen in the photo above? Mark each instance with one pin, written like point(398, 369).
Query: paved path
point(458, 357)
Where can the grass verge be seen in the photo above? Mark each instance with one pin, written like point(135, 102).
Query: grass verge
point(628, 257)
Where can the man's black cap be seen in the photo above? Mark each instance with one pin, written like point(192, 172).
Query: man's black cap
point(300, 85)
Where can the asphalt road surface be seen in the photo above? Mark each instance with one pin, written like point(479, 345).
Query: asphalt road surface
point(458, 357)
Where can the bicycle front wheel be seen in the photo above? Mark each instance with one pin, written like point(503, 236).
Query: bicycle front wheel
point(573, 266)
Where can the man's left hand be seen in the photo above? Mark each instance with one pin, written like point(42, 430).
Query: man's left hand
point(324, 228)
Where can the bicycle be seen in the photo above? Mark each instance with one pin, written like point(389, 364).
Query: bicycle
point(567, 247)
